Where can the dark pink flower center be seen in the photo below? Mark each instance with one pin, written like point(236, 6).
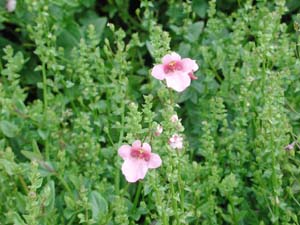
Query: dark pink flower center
point(140, 153)
point(173, 66)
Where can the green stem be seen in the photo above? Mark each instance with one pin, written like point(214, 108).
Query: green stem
point(174, 203)
point(293, 197)
point(180, 186)
point(87, 216)
point(121, 136)
point(165, 220)
point(117, 182)
point(233, 211)
point(274, 179)
point(73, 217)
point(45, 99)
point(64, 183)
point(137, 196)
point(23, 183)
point(171, 96)
point(44, 86)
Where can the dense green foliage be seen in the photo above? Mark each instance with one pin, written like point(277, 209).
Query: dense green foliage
point(75, 85)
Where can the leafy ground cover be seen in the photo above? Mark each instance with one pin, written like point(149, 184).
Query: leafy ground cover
point(79, 97)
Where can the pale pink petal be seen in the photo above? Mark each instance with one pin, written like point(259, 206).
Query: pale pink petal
point(159, 130)
point(134, 169)
point(146, 147)
point(155, 161)
point(176, 141)
point(158, 72)
point(124, 151)
point(174, 118)
point(189, 65)
point(179, 145)
point(170, 57)
point(178, 81)
point(137, 144)
point(11, 5)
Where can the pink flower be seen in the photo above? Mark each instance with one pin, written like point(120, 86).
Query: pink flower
point(177, 72)
point(159, 130)
point(290, 146)
point(174, 118)
point(11, 5)
point(137, 160)
point(176, 141)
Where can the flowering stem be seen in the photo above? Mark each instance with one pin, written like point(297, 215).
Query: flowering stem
point(171, 96)
point(45, 99)
point(63, 182)
point(137, 196)
point(23, 183)
point(233, 211)
point(174, 203)
point(180, 186)
point(165, 220)
point(117, 181)
point(121, 136)
point(44, 85)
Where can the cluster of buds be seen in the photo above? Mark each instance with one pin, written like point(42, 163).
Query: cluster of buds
point(176, 141)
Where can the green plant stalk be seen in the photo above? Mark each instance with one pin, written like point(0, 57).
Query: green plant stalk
point(171, 96)
point(117, 177)
point(180, 186)
point(117, 181)
point(233, 211)
point(23, 183)
point(274, 181)
point(293, 197)
point(73, 217)
point(45, 99)
point(174, 203)
point(137, 196)
point(165, 220)
point(64, 183)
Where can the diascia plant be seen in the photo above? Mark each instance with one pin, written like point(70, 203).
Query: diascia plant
point(150, 112)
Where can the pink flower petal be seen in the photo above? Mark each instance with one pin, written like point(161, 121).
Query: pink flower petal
point(146, 147)
point(159, 130)
point(134, 169)
point(137, 144)
point(158, 72)
point(178, 81)
point(155, 161)
point(170, 57)
point(189, 65)
point(176, 141)
point(124, 151)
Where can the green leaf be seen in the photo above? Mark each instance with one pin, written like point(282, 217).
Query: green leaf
point(70, 36)
point(9, 167)
point(49, 190)
point(43, 134)
point(91, 18)
point(17, 219)
point(200, 7)
point(98, 204)
point(194, 31)
point(88, 3)
point(2, 144)
point(184, 49)
point(32, 155)
point(8, 129)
